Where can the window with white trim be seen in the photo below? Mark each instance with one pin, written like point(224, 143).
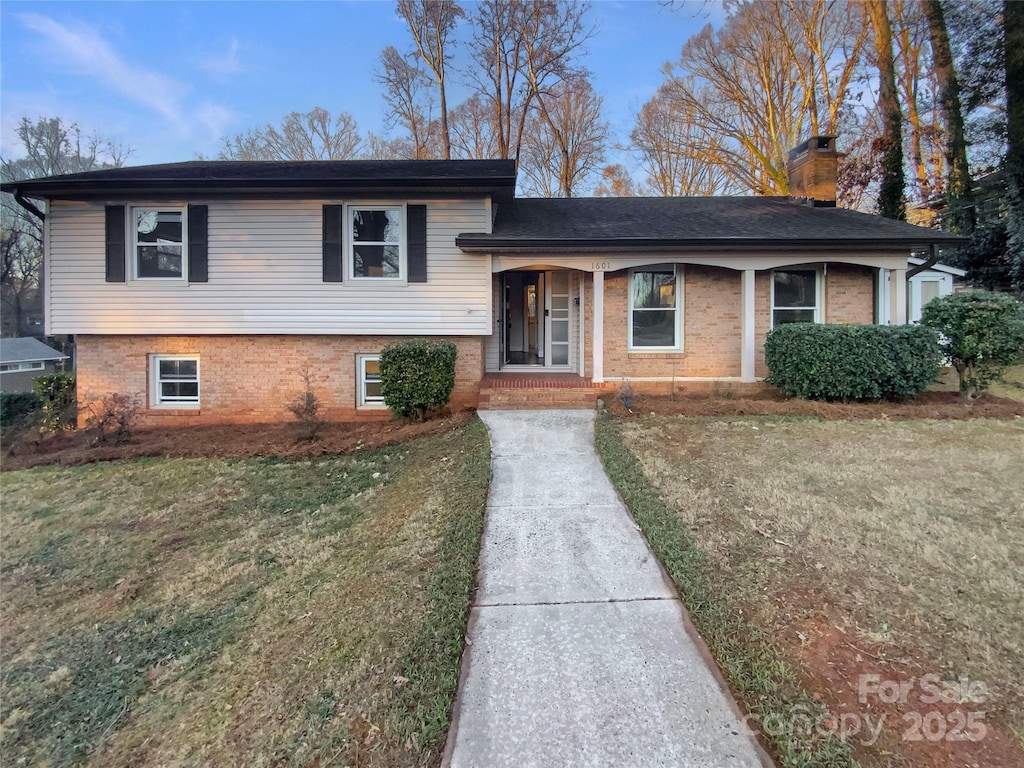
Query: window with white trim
point(13, 367)
point(158, 242)
point(655, 316)
point(376, 242)
point(368, 375)
point(796, 296)
point(174, 381)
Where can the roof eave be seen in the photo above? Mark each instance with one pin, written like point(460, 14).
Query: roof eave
point(490, 244)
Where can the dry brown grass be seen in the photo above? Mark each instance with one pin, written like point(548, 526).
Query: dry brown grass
point(250, 612)
point(906, 537)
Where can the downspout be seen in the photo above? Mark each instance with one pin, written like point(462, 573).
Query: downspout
point(28, 205)
point(931, 261)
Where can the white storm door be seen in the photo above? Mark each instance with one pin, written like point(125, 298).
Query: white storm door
point(559, 303)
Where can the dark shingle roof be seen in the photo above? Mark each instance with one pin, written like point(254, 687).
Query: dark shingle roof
point(244, 177)
point(27, 350)
point(609, 222)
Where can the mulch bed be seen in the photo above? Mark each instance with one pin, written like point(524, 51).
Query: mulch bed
point(928, 405)
point(224, 441)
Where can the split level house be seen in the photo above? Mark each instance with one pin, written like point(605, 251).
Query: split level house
point(207, 288)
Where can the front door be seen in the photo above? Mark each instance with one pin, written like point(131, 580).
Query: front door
point(535, 319)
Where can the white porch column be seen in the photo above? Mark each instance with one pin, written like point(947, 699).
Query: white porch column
point(747, 342)
point(598, 336)
point(899, 296)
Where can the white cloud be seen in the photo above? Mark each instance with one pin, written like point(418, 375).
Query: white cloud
point(87, 53)
point(226, 65)
point(215, 118)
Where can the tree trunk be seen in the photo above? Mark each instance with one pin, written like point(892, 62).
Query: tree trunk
point(1013, 20)
point(891, 200)
point(958, 188)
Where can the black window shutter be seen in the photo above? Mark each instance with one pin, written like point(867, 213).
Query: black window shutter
point(416, 247)
point(116, 250)
point(198, 249)
point(332, 244)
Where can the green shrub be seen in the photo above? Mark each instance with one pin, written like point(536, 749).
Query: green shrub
point(16, 407)
point(981, 334)
point(59, 404)
point(851, 362)
point(417, 376)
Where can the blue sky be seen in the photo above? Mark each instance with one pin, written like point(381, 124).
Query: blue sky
point(170, 78)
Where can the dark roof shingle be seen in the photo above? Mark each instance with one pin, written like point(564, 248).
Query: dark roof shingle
point(682, 221)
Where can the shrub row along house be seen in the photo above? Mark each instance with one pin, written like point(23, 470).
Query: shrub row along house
point(207, 287)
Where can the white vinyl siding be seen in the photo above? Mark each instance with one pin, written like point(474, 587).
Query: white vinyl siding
point(266, 276)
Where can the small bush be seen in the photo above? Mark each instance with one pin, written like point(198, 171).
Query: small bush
point(59, 402)
point(18, 407)
point(981, 334)
point(417, 376)
point(306, 410)
point(851, 362)
point(112, 418)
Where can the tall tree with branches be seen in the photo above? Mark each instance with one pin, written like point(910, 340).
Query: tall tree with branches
point(566, 146)
point(431, 23)
point(771, 75)
point(409, 103)
point(891, 196)
point(1013, 19)
point(959, 191)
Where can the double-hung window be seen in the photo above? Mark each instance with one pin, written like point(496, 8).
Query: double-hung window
point(654, 310)
point(174, 381)
point(796, 296)
point(376, 246)
point(368, 372)
point(158, 243)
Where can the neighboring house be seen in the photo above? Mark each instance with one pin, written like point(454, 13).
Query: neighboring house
point(207, 287)
point(24, 360)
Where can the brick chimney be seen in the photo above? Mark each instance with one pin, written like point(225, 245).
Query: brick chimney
point(812, 168)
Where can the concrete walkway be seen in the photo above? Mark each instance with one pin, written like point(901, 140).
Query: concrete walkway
point(578, 652)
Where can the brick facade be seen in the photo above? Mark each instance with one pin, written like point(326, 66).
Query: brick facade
point(253, 378)
point(712, 324)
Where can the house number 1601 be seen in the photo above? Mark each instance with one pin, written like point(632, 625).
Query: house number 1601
point(600, 266)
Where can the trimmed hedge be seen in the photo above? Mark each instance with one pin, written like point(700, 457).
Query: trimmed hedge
point(852, 362)
point(417, 376)
point(17, 406)
point(59, 401)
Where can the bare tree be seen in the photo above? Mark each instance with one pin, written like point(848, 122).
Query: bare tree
point(474, 133)
point(431, 23)
point(522, 48)
point(673, 147)
point(566, 143)
point(773, 73)
point(313, 135)
point(52, 147)
point(409, 103)
point(891, 199)
point(958, 190)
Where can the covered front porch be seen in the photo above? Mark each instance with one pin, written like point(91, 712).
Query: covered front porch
point(723, 306)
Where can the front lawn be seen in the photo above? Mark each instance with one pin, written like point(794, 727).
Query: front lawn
point(239, 612)
point(829, 562)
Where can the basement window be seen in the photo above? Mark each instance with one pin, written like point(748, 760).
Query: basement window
point(368, 374)
point(174, 381)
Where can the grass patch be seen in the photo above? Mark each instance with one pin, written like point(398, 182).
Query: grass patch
point(755, 669)
point(240, 612)
point(838, 548)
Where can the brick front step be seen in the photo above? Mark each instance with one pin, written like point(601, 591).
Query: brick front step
point(517, 392)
